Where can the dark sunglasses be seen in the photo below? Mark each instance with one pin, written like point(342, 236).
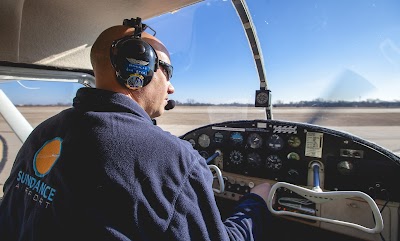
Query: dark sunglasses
point(167, 68)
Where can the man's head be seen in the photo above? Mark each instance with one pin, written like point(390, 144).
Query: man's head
point(152, 97)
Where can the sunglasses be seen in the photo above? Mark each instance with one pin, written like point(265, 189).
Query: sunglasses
point(167, 68)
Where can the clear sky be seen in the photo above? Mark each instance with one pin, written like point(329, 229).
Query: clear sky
point(338, 49)
point(331, 49)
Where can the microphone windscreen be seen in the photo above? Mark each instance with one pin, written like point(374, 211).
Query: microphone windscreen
point(170, 105)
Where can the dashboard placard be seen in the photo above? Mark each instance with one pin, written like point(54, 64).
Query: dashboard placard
point(314, 143)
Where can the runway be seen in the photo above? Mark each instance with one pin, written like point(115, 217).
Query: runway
point(378, 125)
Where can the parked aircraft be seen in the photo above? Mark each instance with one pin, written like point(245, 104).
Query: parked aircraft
point(336, 171)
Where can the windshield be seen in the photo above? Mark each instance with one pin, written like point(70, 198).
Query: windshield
point(330, 63)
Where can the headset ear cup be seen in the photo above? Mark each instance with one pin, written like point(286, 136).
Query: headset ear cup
point(134, 61)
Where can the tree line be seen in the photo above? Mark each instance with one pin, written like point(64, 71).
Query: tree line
point(312, 103)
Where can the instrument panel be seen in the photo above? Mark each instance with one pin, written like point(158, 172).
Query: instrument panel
point(258, 150)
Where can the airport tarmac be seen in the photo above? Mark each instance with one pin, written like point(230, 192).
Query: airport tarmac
point(378, 125)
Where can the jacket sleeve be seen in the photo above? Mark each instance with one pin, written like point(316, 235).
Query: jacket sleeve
point(197, 217)
point(251, 212)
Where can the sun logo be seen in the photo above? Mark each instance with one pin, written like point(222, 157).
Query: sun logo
point(135, 80)
point(47, 156)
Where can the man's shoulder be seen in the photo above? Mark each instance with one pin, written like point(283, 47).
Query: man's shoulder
point(61, 118)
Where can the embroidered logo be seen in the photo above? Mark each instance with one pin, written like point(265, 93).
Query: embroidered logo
point(46, 157)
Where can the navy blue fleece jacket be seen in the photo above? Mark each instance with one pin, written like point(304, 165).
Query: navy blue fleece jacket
point(102, 171)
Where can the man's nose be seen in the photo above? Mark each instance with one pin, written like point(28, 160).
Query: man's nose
point(171, 88)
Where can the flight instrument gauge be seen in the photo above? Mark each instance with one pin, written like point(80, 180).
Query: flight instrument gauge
point(294, 141)
point(293, 156)
point(204, 140)
point(192, 142)
point(204, 154)
point(237, 138)
point(275, 142)
point(236, 157)
point(254, 160)
point(218, 137)
point(262, 98)
point(274, 162)
point(345, 167)
point(254, 140)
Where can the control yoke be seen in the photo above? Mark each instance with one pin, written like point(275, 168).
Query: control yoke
point(318, 196)
point(217, 174)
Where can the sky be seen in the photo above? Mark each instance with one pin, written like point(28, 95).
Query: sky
point(310, 48)
point(329, 49)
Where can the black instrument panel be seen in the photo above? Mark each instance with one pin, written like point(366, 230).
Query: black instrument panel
point(283, 151)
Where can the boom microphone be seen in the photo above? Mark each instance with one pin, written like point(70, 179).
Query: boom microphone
point(170, 105)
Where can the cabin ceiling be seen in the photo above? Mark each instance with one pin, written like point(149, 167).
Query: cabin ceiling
point(60, 33)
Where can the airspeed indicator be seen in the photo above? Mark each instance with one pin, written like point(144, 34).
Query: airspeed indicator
point(254, 140)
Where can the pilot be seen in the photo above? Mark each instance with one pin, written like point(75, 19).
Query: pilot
point(101, 170)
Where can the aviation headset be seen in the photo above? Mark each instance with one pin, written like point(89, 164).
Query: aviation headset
point(133, 59)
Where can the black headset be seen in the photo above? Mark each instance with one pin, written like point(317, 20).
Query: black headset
point(133, 59)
